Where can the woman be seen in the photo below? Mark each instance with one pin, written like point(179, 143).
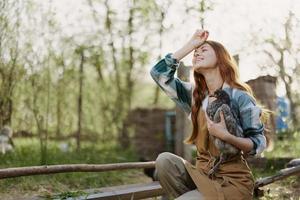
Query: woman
point(213, 68)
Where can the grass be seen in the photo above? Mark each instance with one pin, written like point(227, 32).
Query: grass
point(287, 145)
point(27, 154)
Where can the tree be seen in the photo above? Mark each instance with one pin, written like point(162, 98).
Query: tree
point(161, 30)
point(287, 72)
point(10, 69)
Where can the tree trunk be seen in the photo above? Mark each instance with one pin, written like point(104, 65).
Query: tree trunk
point(58, 112)
point(81, 77)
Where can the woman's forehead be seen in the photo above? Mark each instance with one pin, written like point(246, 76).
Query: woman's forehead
point(205, 45)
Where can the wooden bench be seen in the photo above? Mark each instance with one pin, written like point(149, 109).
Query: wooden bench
point(127, 192)
point(131, 192)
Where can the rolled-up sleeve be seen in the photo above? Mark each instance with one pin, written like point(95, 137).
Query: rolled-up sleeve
point(251, 123)
point(179, 91)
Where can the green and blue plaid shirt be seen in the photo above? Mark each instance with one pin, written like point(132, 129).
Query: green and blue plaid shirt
point(181, 93)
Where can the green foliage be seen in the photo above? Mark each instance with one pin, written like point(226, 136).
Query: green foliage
point(40, 94)
point(66, 195)
point(287, 145)
point(27, 154)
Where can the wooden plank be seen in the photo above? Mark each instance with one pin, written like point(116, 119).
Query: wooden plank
point(129, 192)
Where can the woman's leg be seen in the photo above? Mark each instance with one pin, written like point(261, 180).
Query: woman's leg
point(172, 175)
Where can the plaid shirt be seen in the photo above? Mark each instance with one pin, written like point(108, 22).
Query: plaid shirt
point(241, 103)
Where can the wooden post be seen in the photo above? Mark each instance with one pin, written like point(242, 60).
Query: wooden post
point(183, 124)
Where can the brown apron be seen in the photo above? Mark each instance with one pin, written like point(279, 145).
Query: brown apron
point(232, 181)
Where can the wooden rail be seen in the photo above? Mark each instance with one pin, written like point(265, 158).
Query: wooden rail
point(51, 169)
point(284, 173)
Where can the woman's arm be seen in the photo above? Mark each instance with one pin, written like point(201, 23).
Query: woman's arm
point(244, 144)
point(183, 51)
point(251, 123)
point(179, 91)
point(219, 130)
point(163, 73)
point(254, 141)
point(198, 38)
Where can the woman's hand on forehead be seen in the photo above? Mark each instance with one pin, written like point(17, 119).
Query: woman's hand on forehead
point(199, 37)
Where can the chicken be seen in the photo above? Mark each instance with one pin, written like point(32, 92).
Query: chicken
point(222, 103)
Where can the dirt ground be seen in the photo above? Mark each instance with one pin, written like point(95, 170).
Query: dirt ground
point(288, 189)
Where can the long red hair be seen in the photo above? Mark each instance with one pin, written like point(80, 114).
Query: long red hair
point(229, 73)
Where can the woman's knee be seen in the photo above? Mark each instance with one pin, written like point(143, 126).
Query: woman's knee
point(163, 160)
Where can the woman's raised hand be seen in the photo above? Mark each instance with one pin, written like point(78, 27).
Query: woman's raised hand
point(198, 38)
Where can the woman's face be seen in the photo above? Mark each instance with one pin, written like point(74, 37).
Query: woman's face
point(204, 57)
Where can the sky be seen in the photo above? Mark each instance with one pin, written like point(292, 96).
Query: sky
point(232, 22)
